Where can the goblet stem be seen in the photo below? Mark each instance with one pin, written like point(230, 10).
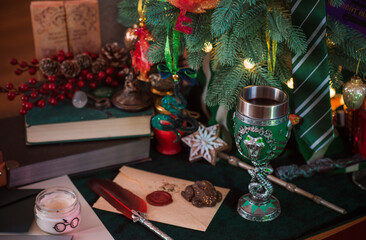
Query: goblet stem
point(260, 187)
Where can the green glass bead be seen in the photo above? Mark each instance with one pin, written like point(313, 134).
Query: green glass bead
point(103, 92)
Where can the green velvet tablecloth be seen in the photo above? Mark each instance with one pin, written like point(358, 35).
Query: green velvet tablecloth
point(300, 217)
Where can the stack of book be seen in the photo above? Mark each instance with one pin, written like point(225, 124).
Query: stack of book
point(65, 140)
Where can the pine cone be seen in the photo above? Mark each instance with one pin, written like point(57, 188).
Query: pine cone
point(99, 65)
point(84, 61)
point(70, 68)
point(114, 55)
point(49, 67)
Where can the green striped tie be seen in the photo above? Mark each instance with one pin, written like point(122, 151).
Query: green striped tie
point(311, 78)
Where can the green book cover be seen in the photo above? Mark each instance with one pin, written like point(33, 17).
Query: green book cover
point(65, 123)
point(65, 112)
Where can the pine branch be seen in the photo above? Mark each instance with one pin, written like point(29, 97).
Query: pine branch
point(127, 12)
point(159, 13)
point(225, 15)
point(224, 50)
point(201, 31)
point(250, 21)
point(195, 59)
point(281, 29)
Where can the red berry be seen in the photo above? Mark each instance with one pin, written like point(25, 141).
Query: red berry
point(34, 61)
point(110, 71)
point(52, 86)
point(25, 97)
point(121, 74)
point(51, 78)
point(101, 75)
point(89, 76)
point(61, 58)
point(9, 86)
point(68, 86)
point(23, 87)
point(72, 80)
point(43, 91)
point(108, 80)
point(114, 83)
point(34, 94)
point(41, 103)
point(87, 53)
point(92, 85)
point(11, 95)
point(23, 64)
point(14, 61)
point(45, 86)
point(94, 56)
point(28, 105)
point(81, 83)
point(61, 88)
point(18, 71)
point(52, 101)
point(23, 103)
point(61, 53)
point(84, 72)
point(61, 97)
point(70, 95)
point(32, 71)
point(32, 81)
point(69, 55)
point(23, 111)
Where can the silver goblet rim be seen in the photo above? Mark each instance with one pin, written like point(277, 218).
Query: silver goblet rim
point(261, 111)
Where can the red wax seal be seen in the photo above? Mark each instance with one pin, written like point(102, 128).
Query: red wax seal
point(159, 198)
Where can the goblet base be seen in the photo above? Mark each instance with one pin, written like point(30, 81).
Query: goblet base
point(258, 211)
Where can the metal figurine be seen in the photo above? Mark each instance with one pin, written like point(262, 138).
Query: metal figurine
point(131, 97)
point(261, 131)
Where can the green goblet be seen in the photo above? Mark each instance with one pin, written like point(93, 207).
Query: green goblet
point(261, 130)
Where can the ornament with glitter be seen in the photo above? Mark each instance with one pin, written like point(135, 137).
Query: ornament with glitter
point(139, 59)
point(205, 143)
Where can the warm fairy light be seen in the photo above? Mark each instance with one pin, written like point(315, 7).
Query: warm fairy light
point(248, 64)
point(207, 47)
point(342, 100)
point(290, 83)
point(332, 92)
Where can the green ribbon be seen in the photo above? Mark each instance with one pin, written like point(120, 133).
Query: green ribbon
point(172, 64)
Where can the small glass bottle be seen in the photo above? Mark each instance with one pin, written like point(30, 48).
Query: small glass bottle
point(57, 210)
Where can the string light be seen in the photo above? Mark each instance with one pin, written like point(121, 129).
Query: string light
point(207, 47)
point(332, 92)
point(248, 64)
point(290, 83)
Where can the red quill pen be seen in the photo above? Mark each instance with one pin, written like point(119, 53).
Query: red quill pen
point(124, 201)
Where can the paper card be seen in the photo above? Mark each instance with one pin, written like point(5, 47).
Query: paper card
point(83, 26)
point(179, 213)
point(49, 27)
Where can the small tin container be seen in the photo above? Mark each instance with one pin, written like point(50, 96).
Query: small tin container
point(57, 210)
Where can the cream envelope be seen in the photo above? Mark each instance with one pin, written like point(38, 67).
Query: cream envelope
point(179, 213)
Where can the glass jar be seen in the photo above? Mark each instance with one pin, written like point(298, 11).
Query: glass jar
point(57, 210)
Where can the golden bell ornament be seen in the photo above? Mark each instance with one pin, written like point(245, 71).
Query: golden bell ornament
point(354, 93)
point(130, 38)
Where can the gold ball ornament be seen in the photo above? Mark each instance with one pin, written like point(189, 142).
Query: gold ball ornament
point(354, 93)
point(130, 38)
point(194, 6)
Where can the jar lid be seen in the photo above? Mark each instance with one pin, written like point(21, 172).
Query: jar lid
point(56, 200)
